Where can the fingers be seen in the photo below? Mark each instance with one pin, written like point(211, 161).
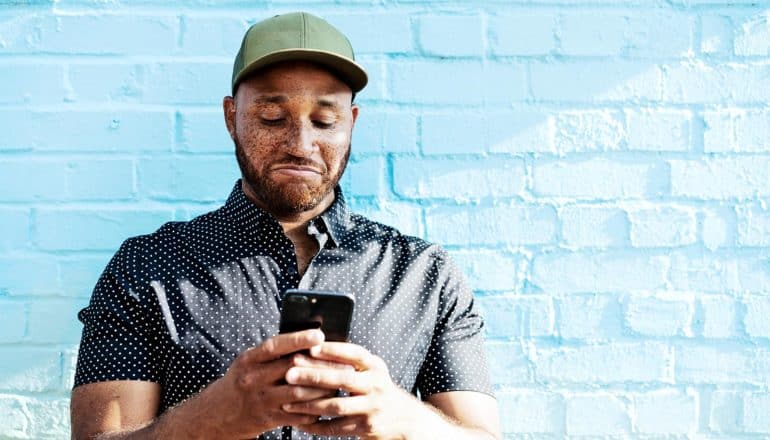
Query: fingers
point(348, 353)
point(283, 344)
point(346, 379)
point(300, 360)
point(344, 426)
point(335, 406)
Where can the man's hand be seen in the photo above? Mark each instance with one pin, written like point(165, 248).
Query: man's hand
point(376, 408)
point(244, 403)
point(248, 400)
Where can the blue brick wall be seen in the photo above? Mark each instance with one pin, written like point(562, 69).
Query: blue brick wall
point(598, 168)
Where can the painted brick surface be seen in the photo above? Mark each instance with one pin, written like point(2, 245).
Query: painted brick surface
point(597, 168)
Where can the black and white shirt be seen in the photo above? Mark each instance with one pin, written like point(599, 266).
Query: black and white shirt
point(177, 306)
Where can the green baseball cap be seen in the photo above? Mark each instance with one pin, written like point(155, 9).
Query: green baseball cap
point(298, 36)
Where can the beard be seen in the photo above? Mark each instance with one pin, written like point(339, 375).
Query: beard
point(282, 199)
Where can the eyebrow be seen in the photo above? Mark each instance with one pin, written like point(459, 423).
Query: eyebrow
point(271, 99)
point(328, 104)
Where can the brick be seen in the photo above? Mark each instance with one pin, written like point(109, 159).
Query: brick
point(15, 224)
point(508, 132)
point(79, 275)
point(188, 83)
point(16, 279)
point(80, 229)
point(694, 82)
point(753, 274)
point(666, 412)
point(722, 178)
point(114, 179)
point(726, 412)
point(119, 34)
point(753, 37)
point(366, 31)
point(587, 226)
point(466, 30)
point(598, 179)
point(459, 82)
point(55, 321)
point(378, 87)
point(517, 316)
point(715, 365)
point(34, 369)
point(365, 177)
point(600, 81)
point(124, 130)
point(756, 406)
point(441, 178)
point(405, 217)
point(13, 321)
point(604, 364)
point(716, 35)
point(589, 317)
point(203, 131)
point(662, 226)
point(49, 182)
point(211, 35)
point(31, 83)
point(14, 417)
point(603, 272)
point(385, 132)
point(718, 228)
point(196, 178)
point(736, 131)
point(659, 130)
point(508, 363)
point(51, 417)
point(592, 33)
point(521, 131)
point(589, 130)
point(597, 414)
point(69, 365)
point(704, 273)
point(719, 316)
point(656, 35)
point(659, 315)
point(106, 82)
point(522, 34)
point(535, 411)
point(755, 320)
point(453, 133)
point(752, 226)
point(490, 270)
point(534, 225)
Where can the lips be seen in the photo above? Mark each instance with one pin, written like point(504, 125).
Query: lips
point(291, 170)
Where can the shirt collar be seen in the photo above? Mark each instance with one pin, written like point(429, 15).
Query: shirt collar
point(243, 212)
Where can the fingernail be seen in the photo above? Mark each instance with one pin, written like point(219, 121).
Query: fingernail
point(286, 406)
point(315, 350)
point(291, 375)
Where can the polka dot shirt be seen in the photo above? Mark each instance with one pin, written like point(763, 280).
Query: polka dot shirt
point(176, 306)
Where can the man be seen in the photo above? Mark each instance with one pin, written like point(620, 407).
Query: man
point(179, 338)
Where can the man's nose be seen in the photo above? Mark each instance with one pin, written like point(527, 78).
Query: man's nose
point(302, 142)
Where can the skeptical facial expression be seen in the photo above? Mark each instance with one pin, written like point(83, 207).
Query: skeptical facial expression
point(291, 124)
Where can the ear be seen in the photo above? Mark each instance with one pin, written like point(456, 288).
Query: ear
point(354, 112)
point(228, 106)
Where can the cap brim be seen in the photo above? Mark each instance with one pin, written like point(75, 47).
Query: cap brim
point(349, 71)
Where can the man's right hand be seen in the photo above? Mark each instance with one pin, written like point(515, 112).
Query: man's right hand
point(244, 403)
point(247, 400)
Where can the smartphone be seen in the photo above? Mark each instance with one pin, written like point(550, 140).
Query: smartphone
point(329, 311)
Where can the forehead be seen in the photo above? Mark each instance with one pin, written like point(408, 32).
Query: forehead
point(295, 77)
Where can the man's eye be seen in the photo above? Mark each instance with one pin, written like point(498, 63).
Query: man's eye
point(276, 121)
point(322, 124)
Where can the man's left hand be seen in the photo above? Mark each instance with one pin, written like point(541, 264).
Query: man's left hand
point(376, 407)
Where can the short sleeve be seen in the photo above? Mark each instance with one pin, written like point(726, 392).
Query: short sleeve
point(456, 359)
point(120, 338)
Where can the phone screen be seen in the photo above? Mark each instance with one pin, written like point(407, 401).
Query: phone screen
point(329, 311)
